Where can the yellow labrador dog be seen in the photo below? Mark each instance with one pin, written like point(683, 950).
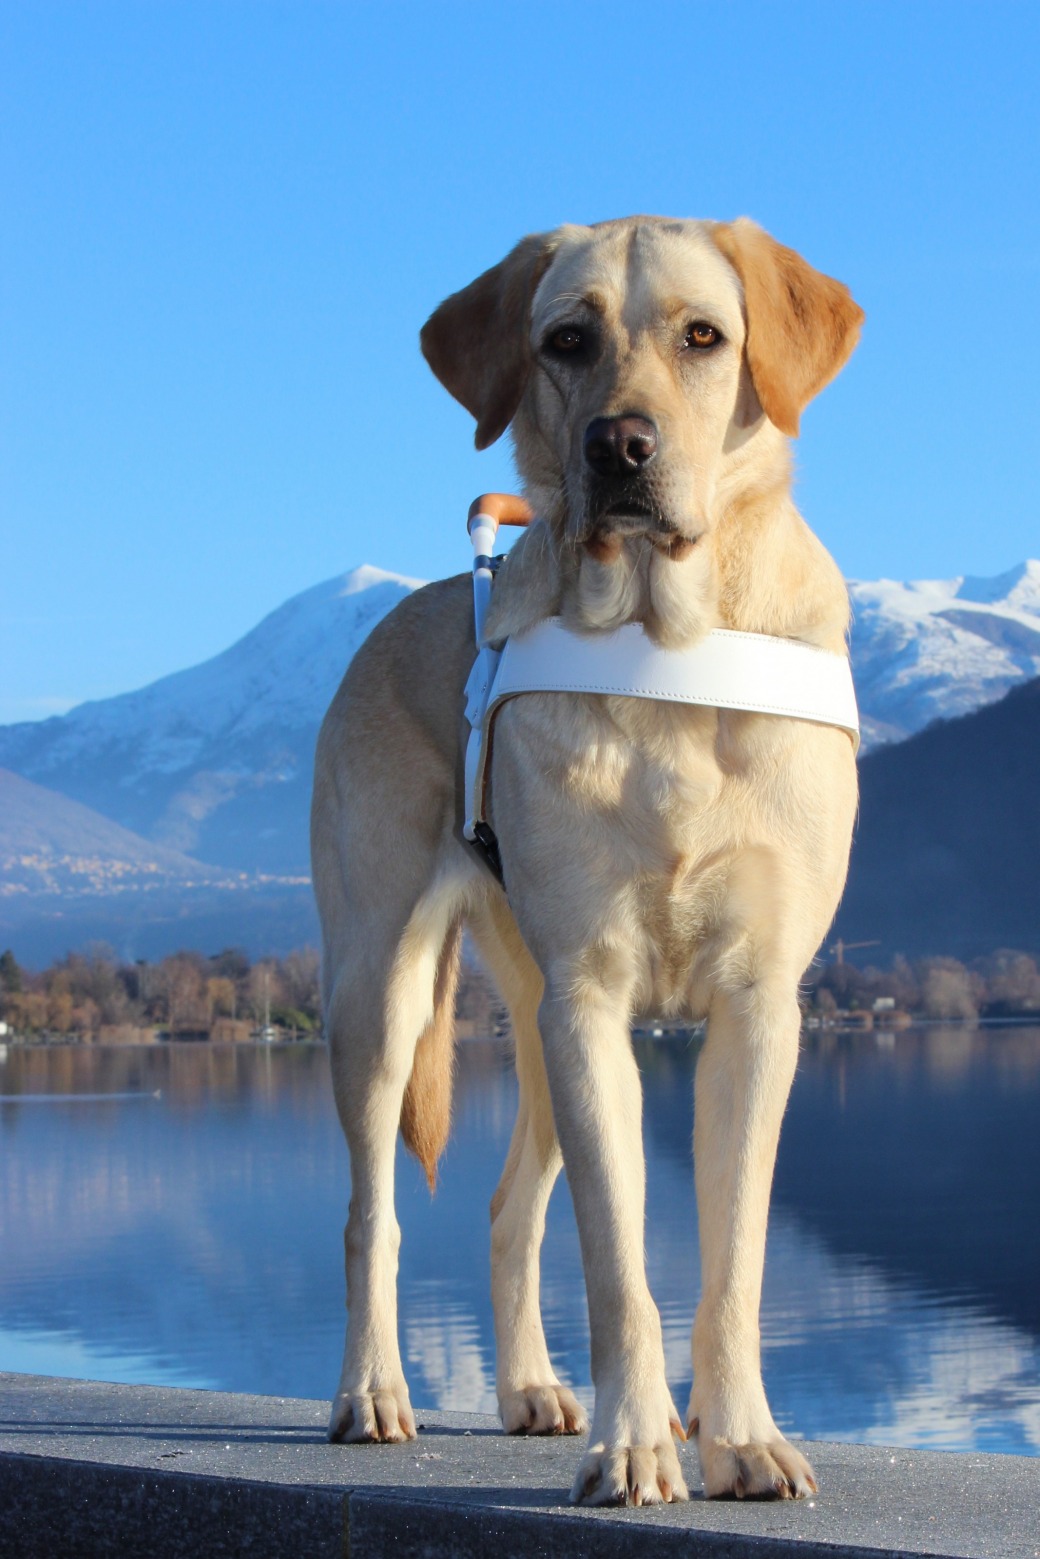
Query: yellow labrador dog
point(658, 857)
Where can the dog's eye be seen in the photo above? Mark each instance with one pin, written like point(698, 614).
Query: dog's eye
point(565, 340)
point(700, 335)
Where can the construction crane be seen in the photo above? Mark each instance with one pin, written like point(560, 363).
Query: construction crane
point(840, 948)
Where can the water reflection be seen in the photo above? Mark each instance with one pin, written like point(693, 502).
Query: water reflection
point(195, 1237)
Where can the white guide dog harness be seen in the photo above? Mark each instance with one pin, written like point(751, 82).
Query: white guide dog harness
point(753, 672)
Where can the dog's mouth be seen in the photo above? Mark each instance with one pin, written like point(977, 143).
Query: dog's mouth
point(637, 513)
point(630, 518)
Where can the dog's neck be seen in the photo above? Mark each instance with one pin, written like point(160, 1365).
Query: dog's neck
point(759, 569)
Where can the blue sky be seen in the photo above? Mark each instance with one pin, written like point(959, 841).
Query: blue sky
point(225, 222)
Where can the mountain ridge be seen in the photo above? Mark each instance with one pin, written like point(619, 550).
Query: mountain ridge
point(213, 763)
point(70, 877)
point(46, 837)
point(931, 649)
point(192, 760)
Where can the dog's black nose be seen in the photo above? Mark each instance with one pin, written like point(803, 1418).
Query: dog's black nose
point(619, 446)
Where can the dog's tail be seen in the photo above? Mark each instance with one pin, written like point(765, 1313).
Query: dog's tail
point(426, 1110)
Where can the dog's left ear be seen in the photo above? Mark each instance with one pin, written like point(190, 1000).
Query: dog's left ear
point(801, 325)
point(477, 341)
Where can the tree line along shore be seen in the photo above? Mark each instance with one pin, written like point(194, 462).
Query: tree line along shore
point(94, 997)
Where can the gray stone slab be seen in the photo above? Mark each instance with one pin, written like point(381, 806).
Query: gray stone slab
point(89, 1469)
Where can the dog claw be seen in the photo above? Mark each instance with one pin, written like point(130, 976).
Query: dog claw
point(632, 1475)
point(373, 1417)
point(542, 1410)
point(762, 1470)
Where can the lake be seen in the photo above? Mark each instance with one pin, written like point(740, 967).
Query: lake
point(173, 1214)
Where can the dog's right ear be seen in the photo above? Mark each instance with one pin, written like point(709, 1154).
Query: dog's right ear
point(477, 343)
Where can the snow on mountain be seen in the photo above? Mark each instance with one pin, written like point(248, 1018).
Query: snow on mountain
point(215, 762)
point(937, 648)
point(280, 675)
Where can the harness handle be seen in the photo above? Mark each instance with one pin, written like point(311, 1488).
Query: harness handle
point(501, 508)
point(486, 514)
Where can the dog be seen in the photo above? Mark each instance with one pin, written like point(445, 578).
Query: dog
point(657, 857)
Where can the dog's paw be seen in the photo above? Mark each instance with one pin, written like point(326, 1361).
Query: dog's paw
point(759, 1470)
point(629, 1475)
point(542, 1410)
point(373, 1416)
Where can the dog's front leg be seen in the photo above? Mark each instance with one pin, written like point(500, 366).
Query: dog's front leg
point(597, 1104)
point(743, 1079)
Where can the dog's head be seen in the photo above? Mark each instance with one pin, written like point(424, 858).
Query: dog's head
point(646, 366)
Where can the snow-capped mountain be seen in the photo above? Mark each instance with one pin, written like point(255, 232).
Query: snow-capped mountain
point(936, 648)
point(215, 762)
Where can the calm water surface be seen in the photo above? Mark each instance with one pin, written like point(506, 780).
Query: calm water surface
point(174, 1214)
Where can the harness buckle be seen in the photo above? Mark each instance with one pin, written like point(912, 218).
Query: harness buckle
point(485, 843)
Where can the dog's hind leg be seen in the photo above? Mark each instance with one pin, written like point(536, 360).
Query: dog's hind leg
point(531, 1398)
point(384, 1014)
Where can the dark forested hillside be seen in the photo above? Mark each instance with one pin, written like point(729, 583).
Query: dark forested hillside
point(947, 850)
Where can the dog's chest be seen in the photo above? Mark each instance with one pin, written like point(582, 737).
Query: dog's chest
point(680, 833)
point(653, 786)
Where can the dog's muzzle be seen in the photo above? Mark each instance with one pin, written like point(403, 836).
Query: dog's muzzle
point(620, 458)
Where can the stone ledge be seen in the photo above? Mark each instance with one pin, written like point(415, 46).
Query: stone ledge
point(93, 1470)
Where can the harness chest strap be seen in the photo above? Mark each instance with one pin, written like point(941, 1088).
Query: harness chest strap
point(753, 672)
